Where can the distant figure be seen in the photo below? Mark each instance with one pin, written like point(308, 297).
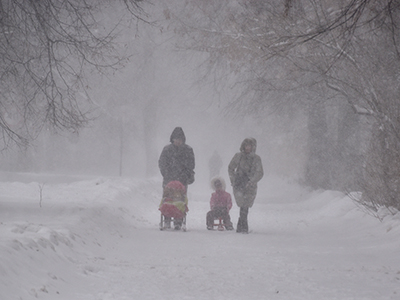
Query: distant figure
point(245, 170)
point(220, 204)
point(215, 164)
point(177, 162)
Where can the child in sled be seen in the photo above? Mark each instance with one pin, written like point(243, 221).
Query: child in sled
point(220, 203)
point(173, 205)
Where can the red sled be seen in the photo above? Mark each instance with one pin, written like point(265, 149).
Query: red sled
point(168, 210)
point(219, 224)
point(173, 206)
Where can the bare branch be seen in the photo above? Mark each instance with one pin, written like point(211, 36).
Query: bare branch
point(46, 48)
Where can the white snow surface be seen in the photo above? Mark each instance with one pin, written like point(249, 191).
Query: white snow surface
point(98, 238)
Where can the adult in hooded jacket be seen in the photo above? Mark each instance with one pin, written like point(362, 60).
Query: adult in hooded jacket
point(245, 171)
point(177, 161)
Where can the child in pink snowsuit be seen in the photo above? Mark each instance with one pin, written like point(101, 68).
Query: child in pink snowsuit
point(220, 203)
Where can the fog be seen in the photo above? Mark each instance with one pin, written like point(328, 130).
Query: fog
point(135, 109)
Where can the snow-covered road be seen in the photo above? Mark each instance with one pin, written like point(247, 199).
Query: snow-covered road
point(99, 239)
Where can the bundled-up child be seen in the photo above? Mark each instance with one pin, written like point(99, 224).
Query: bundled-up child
point(174, 204)
point(220, 203)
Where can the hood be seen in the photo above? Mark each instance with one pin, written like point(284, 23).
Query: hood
point(178, 134)
point(220, 179)
point(249, 141)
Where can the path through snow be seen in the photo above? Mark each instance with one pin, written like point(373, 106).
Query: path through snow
point(99, 239)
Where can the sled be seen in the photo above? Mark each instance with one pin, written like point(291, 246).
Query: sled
point(220, 226)
point(169, 210)
point(173, 206)
point(165, 226)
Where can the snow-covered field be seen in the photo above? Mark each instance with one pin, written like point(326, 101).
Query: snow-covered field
point(98, 238)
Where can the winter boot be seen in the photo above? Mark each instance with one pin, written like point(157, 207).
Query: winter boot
point(178, 224)
point(239, 227)
point(230, 227)
point(227, 221)
point(167, 223)
point(245, 226)
point(243, 220)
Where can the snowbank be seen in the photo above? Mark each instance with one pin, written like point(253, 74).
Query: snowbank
point(98, 239)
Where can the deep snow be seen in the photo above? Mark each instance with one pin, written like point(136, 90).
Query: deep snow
point(98, 238)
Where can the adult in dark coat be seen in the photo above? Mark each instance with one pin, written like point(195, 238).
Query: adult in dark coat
point(177, 160)
point(177, 163)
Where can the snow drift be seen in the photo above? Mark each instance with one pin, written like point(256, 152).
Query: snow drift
point(98, 238)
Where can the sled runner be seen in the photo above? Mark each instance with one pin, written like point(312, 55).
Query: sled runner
point(219, 224)
point(173, 207)
point(165, 224)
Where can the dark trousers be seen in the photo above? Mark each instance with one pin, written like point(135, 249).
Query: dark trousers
point(218, 213)
point(242, 225)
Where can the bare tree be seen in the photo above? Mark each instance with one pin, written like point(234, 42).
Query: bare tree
point(318, 51)
point(362, 38)
point(47, 47)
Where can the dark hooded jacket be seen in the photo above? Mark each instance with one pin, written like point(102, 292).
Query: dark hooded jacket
point(250, 165)
point(177, 162)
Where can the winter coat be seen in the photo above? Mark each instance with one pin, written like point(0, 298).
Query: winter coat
point(248, 166)
point(177, 162)
point(220, 198)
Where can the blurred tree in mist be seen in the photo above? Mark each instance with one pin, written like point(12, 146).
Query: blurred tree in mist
point(48, 48)
point(337, 61)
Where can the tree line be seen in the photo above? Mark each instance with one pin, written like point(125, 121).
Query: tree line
point(331, 60)
point(335, 63)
